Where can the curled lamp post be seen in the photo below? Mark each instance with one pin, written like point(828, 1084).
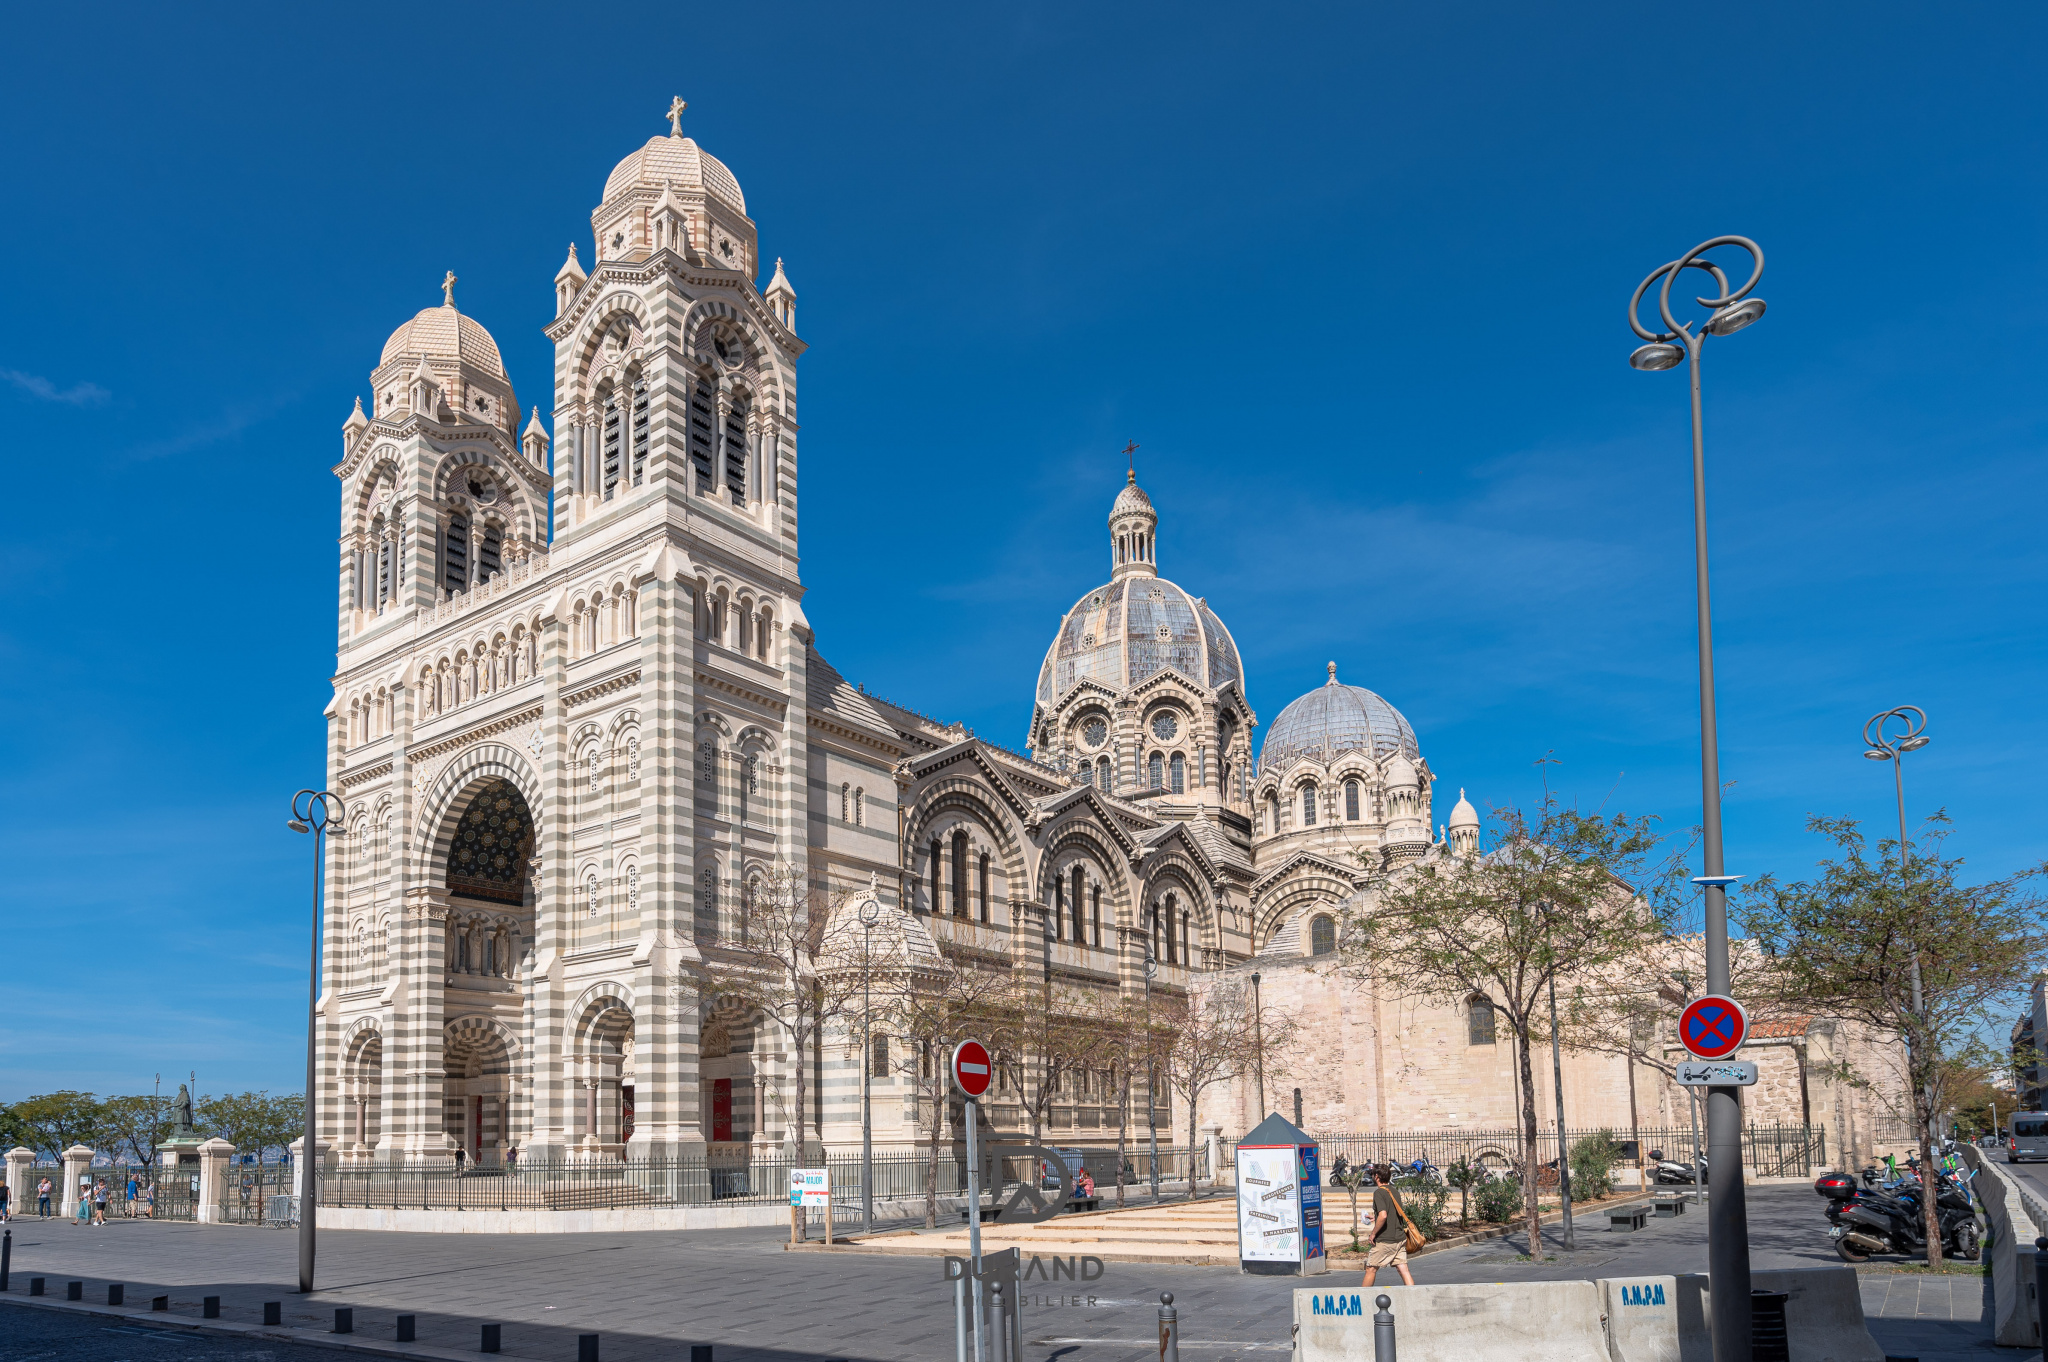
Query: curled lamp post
point(870, 914)
point(320, 813)
point(1893, 748)
point(1729, 310)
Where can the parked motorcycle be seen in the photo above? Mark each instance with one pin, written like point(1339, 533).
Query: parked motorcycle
point(1669, 1172)
point(1870, 1220)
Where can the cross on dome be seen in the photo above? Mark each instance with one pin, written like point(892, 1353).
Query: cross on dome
point(448, 290)
point(675, 116)
point(1333, 675)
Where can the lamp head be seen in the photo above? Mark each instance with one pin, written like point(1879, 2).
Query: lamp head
point(870, 912)
point(1656, 357)
point(1914, 744)
point(1878, 754)
point(1735, 316)
point(296, 826)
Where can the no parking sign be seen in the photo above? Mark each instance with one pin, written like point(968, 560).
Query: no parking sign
point(1713, 1027)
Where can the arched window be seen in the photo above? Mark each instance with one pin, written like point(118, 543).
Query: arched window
point(707, 762)
point(613, 435)
point(703, 420)
point(1187, 954)
point(860, 813)
point(1479, 1020)
point(639, 432)
point(878, 1057)
point(960, 874)
point(1351, 800)
point(981, 885)
point(590, 764)
point(1308, 806)
point(489, 554)
point(736, 452)
point(1059, 908)
point(1322, 934)
point(936, 863)
point(590, 894)
point(1156, 769)
point(1172, 906)
point(1102, 774)
point(1272, 814)
point(846, 803)
point(1075, 908)
point(1095, 917)
point(455, 554)
point(633, 888)
point(707, 902)
point(1180, 773)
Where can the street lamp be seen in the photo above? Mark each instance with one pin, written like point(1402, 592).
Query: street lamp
point(1564, 1169)
point(320, 813)
point(1258, 1046)
point(1879, 747)
point(1732, 309)
point(1151, 1106)
point(870, 914)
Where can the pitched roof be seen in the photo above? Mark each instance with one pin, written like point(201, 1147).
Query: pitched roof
point(830, 694)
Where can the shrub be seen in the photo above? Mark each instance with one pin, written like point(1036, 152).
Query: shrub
point(1500, 1200)
point(1593, 1159)
point(1424, 1202)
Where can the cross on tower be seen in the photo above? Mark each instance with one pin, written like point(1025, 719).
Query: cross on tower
point(1130, 452)
point(675, 116)
point(448, 290)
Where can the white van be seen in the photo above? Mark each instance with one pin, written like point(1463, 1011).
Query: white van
point(2028, 1137)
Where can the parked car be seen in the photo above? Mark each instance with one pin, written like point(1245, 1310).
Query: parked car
point(1049, 1176)
point(2028, 1137)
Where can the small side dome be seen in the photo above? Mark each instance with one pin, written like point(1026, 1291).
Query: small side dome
point(1401, 773)
point(1464, 815)
point(676, 160)
point(1335, 718)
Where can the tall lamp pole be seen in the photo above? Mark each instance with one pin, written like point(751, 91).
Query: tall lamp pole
point(1878, 746)
point(870, 914)
point(318, 812)
point(1731, 309)
point(1151, 1107)
point(1258, 1046)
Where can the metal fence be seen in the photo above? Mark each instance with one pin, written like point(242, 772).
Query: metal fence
point(612, 1184)
point(255, 1194)
point(1767, 1151)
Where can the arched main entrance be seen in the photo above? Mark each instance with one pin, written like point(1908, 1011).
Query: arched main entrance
point(488, 880)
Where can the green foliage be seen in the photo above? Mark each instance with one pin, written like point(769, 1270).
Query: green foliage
point(253, 1122)
point(132, 1127)
point(56, 1121)
point(1593, 1159)
point(1464, 1175)
point(1424, 1202)
point(1499, 1200)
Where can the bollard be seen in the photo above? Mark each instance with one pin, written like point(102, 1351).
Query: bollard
point(998, 1327)
point(700, 1352)
point(344, 1319)
point(36, 1284)
point(403, 1333)
point(273, 1312)
point(1383, 1331)
point(489, 1343)
point(209, 1308)
point(6, 1256)
point(586, 1348)
point(1169, 1329)
point(74, 1291)
point(117, 1294)
point(159, 1302)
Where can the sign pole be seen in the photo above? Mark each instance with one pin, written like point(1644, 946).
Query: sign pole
point(974, 1219)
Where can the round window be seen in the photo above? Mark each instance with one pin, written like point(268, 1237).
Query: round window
point(1094, 732)
point(1164, 727)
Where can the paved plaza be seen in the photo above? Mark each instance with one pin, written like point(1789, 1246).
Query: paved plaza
point(649, 1293)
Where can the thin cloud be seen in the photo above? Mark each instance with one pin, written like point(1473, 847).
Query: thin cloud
point(77, 395)
point(229, 423)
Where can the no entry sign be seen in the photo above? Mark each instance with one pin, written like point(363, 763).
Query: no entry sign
point(971, 1069)
point(1713, 1027)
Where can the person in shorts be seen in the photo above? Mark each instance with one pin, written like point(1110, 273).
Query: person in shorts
point(43, 1198)
point(1389, 1246)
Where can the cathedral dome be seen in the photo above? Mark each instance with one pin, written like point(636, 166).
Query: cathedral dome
point(1333, 719)
point(442, 333)
point(676, 160)
point(1122, 633)
point(1131, 501)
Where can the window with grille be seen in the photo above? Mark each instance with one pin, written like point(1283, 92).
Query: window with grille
point(860, 813)
point(590, 764)
point(878, 1057)
point(633, 888)
point(1095, 917)
point(703, 424)
point(590, 894)
point(383, 569)
point(1156, 769)
point(1180, 773)
point(1078, 900)
point(1308, 806)
point(640, 432)
point(1351, 800)
point(736, 453)
point(455, 554)
point(959, 874)
point(612, 436)
point(846, 803)
point(1322, 935)
point(1479, 1020)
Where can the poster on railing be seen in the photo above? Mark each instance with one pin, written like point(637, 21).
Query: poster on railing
point(1279, 1200)
point(810, 1187)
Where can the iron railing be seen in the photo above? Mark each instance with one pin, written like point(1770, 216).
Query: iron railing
point(1767, 1151)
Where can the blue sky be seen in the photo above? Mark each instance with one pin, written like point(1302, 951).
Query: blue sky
point(1352, 276)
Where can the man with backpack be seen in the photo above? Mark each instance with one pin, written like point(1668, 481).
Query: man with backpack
point(1390, 1229)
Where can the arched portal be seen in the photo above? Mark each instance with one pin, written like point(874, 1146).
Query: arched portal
point(476, 1088)
point(362, 1084)
point(603, 1069)
point(493, 843)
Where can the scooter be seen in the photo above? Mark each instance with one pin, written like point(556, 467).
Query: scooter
point(1667, 1172)
point(1867, 1220)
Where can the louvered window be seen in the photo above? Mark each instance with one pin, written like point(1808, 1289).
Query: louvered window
point(612, 434)
point(640, 432)
point(736, 454)
point(488, 554)
point(1079, 938)
point(455, 554)
point(959, 874)
point(703, 422)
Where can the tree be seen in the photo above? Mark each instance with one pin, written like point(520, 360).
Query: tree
point(1562, 895)
point(1902, 946)
point(139, 1124)
point(58, 1120)
point(1214, 1040)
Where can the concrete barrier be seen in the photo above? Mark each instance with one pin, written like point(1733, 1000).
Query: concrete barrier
point(2010, 1246)
point(1823, 1315)
point(1642, 1318)
point(1467, 1322)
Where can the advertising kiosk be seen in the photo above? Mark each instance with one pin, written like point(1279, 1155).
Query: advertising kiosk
point(1279, 1201)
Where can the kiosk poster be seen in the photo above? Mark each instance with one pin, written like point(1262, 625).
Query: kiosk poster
point(1311, 1204)
point(1268, 1205)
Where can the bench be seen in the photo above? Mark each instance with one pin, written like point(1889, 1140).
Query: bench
point(1084, 1203)
point(1669, 1206)
point(987, 1213)
point(1628, 1219)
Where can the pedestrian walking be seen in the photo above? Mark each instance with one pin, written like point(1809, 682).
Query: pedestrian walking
point(5, 1209)
point(458, 1160)
point(83, 1216)
point(43, 1198)
point(134, 1191)
point(148, 1200)
point(1390, 1229)
point(99, 1203)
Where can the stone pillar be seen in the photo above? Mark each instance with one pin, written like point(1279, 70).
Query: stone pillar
point(1212, 1136)
point(299, 1165)
point(77, 1164)
point(20, 1179)
point(214, 1157)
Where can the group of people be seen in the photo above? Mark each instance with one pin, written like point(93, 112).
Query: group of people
point(93, 1196)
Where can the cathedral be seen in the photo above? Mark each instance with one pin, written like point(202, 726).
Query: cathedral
point(579, 714)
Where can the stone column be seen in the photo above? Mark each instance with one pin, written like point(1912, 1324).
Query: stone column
point(214, 1158)
point(1212, 1136)
point(300, 1167)
point(77, 1164)
point(20, 1179)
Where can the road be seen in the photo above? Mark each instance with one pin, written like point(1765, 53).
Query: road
point(648, 1293)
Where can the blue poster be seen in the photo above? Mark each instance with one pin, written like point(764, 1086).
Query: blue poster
point(1311, 1203)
